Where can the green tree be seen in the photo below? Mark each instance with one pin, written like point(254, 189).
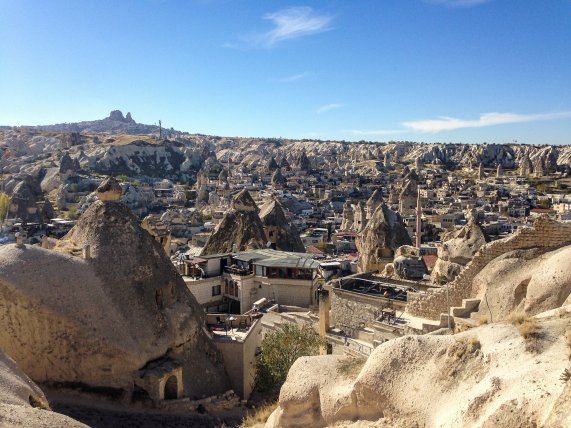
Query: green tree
point(4, 204)
point(72, 214)
point(279, 350)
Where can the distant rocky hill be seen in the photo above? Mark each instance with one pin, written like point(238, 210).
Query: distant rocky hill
point(115, 123)
point(119, 145)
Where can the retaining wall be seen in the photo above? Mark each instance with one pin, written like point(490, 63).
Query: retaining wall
point(545, 233)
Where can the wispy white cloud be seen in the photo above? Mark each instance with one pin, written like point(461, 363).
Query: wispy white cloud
point(328, 107)
point(458, 3)
point(292, 78)
point(290, 23)
point(488, 119)
point(375, 132)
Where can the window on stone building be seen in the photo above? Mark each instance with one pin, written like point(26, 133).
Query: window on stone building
point(216, 290)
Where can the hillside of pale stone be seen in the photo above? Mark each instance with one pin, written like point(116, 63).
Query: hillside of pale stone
point(485, 377)
point(119, 145)
point(22, 402)
point(98, 321)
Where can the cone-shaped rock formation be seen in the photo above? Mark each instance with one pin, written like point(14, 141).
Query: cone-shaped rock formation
point(240, 229)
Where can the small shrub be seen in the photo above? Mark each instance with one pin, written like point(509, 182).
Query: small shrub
point(350, 366)
point(474, 344)
point(528, 328)
point(568, 337)
point(566, 375)
point(38, 402)
point(260, 416)
point(483, 320)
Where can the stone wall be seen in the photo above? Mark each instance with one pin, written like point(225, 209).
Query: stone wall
point(240, 359)
point(546, 233)
point(352, 311)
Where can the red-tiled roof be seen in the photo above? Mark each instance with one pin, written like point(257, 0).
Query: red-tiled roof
point(430, 260)
point(543, 210)
point(313, 249)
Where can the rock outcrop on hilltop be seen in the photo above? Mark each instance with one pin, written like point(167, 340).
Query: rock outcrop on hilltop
point(280, 233)
point(28, 203)
point(458, 247)
point(100, 319)
point(384, 233)
point(115, 123)
point(22, 402)
point(240, 229)
point(485, 377)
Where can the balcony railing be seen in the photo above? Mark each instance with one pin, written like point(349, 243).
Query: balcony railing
point(237, 271)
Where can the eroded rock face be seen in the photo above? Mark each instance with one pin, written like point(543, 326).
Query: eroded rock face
point(102, 319)
point(373, 202)
point(281, 234)
point(408, 264)
point(482, 377)
point(348, 216)
point(384, 233)
point(22, 402)
point(240, 229)
point(457, 249)
point(530, 281)
point(23, 203)
point(109, 190)
point(278, 180)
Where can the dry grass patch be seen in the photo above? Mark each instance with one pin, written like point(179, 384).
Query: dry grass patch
point(259, 416)
point(529, 329)
point(351, 366)
point(568, 338)
point(483, 320)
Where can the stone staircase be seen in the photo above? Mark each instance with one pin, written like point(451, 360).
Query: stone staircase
point(272, 320)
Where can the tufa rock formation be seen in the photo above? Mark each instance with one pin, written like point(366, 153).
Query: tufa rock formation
point(272, 164)
point(384, 233)
point(280, 233)
point(278, 180)
point(373, 202)
point(101, 319)
point(348, 216)
point(109, 190)
point(407, 264)
point(240, 229)
point(525, 271)
point(530, 281)
point(28, 203)
point(359, 217)
point(458, 247)
point(485, 377)
point(303, 162)
point(525, 166)
point(22, 402)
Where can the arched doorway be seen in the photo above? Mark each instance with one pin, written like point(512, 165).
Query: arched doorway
point(171, 388)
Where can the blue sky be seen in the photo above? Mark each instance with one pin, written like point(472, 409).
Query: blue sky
point(467, 71)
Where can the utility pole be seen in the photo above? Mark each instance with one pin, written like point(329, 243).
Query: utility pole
point(418, 221)
point(160, 130)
